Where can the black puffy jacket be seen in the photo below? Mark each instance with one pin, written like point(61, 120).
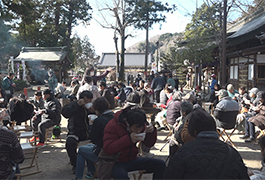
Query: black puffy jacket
point(78, 123)
point(206, 158)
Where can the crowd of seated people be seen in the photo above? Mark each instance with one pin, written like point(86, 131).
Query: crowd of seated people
point(91, 116)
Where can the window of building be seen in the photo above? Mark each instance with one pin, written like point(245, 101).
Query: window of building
point(261, 69)
point(250, 71)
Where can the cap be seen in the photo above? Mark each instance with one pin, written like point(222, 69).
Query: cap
point(213, 75)
point(254, 90)
point(222, 93)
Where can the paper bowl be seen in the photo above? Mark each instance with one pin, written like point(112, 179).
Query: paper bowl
point(92, 117)
point(141, 136)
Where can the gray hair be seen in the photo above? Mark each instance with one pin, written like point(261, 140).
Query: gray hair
point(186, 106)
point(230, 87)
point(177, 96)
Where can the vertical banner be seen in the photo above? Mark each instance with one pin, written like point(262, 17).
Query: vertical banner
point(12, 63)
point(17, 70)
point(153, 67)
point(24, 70)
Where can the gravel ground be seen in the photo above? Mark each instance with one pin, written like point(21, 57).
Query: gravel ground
point(54, 162)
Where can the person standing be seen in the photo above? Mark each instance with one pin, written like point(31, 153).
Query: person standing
point(52, 81)
point(170, 80)
point(9, 85)
point(214, 81)
point(157, 85)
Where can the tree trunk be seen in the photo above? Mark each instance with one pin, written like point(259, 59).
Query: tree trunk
point(121, 73)
point(69, 25)
point(56, 20)
point(117, 56)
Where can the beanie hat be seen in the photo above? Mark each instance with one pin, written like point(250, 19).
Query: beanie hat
point(222, 93)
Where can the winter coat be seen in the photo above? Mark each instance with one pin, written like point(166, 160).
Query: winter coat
point(78, 122)
point(173, 111)
point(53, 110)
point(20, 110)
point(214, 81)
point(163, 97)
point(7, 85)
point(158, 84)
point(97, 130)
point(117, 138)
point(206, 158)
point(10, 151)
point(259, 119)
point(226, 111)
point(144, 99)
point(37, 104)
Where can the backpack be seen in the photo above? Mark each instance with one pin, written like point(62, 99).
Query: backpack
point(56, 132)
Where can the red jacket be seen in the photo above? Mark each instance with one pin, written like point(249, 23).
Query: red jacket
point(117, 138)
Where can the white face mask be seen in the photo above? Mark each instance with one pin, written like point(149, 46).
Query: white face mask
point(88, 105)
point(92, 73)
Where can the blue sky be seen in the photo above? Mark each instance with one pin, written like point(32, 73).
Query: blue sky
point(102, 38)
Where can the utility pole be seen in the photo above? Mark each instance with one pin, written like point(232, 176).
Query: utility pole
point(157, 55)
point(146, 44)
point(223, 80)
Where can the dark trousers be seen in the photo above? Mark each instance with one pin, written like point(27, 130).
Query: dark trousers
point(156, 166)
point(249, 128)
point(71, 147)
point(157, 96)
point(41, 126)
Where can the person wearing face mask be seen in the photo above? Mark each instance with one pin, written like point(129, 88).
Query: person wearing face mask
point(91, 72)
point(89, 153)
point(121, 134)
point(78, 124)
point(214, 81)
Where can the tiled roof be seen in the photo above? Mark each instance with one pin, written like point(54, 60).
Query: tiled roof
point(41, 54)
point(131, 60)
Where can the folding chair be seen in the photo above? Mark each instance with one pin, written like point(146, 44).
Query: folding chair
point(26, 135)
point(261, 133)
point(135, 173)
point(28, 147)
point(228, 135)
point(169, 128)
